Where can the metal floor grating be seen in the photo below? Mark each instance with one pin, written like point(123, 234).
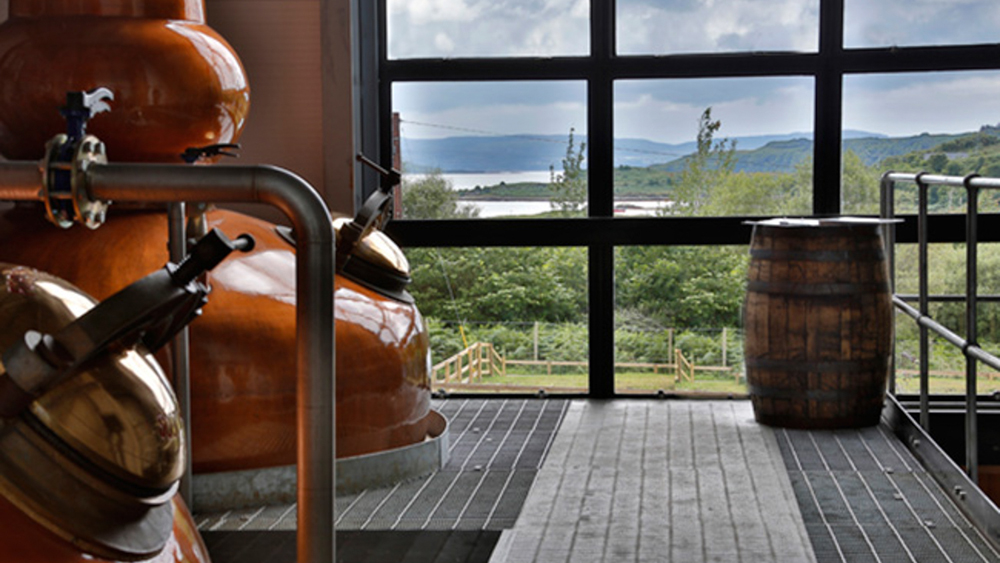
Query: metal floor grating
point(496, 448)
point(864, 497)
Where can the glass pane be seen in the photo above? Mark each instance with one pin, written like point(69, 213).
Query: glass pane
point(492, 149)
point(664, 27)
point(943, 123)
point(752, 158)
point(507, 320)
point(473, 28)
point(677, 322)
point(921, 22)
point(946, 277)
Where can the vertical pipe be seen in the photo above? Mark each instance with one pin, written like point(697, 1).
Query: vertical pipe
point(887, 210)
point(922, 233)
point(179, 349)
point(397, 163)
point(314, 266)
point(971, 319)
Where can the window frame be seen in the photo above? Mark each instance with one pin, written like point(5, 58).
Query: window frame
point(600, 232)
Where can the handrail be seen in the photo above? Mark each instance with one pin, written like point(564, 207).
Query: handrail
point(973, 184)
point(316, 540)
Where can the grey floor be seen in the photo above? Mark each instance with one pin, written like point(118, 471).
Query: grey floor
point(638, 480)
point(660, 481)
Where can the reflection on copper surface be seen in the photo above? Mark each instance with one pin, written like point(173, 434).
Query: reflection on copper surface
point(76, 302)
point(120, 412)
point(217, 54)
point(378, 249)
point(179, 86)
point(243, 345)
point(269, 274)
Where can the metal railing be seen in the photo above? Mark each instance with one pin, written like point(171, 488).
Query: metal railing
point(973, 185)
point(314, 309)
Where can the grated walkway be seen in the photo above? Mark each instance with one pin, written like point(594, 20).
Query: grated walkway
point(638, 480)
point(496, 448)
point(864, 497)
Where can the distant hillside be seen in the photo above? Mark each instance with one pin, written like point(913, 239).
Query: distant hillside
point(957, 155)
point(539, 152)
point(783, 156)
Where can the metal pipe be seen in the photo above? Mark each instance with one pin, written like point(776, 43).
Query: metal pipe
point(941, 180)
point(20, 181)
point(949, 298)
point(314, 299)
point(922, 240)
point(968, 349)
point(180, 358)
point(887, 210)
point(314, 307)
point(971, 328)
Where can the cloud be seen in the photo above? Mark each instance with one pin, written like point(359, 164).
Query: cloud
point(712, 26)
point(668, 110)
point(444, 43)
point(425, 12)
point(487, 28)
point(920, 22)
point(910, 104)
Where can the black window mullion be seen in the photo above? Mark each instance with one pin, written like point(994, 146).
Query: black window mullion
point(385, 156)
point(828, 110)
point(600, 198)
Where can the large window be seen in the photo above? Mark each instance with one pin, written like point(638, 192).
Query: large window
point(639, 136)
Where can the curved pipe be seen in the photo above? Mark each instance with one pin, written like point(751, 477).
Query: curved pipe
point(314, 298)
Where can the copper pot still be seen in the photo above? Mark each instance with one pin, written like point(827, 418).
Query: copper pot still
point(177, 83)
point(88, 471)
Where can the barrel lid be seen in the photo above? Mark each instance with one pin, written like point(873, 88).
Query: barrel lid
point(823, 222)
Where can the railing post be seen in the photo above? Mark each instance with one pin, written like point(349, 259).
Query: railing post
point(971, 321)
point(724, 335)
point(922, 237)
point(887, 210)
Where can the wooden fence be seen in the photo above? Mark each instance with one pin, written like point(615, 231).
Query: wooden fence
point(469, 365)
point(481, 359)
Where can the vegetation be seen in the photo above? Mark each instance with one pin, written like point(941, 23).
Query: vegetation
point(532, 302)
point(569, 189)
point(432, 197)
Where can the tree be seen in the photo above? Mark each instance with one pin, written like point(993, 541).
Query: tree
point(706, 168)
point(499, 284)
point(676, 286)
point(860, 186)
point(758, 194)
point(569, 189)
point(432, 197)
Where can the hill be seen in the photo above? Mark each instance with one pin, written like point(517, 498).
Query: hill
point(783, 156)
point(977, 152)
point(539, 152)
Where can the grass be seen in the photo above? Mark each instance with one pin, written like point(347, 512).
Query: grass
point(946, 385)
point(624, 382)
point(646, 382)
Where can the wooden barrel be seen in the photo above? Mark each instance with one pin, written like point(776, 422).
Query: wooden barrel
point(818, 323)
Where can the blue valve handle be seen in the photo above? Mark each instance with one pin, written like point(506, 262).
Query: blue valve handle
point(80, 107)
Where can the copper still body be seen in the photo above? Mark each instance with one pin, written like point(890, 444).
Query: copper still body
point(242, 346)
point(88, 470)
point(178, 85)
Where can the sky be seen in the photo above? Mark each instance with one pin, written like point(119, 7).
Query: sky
point(668, 110)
